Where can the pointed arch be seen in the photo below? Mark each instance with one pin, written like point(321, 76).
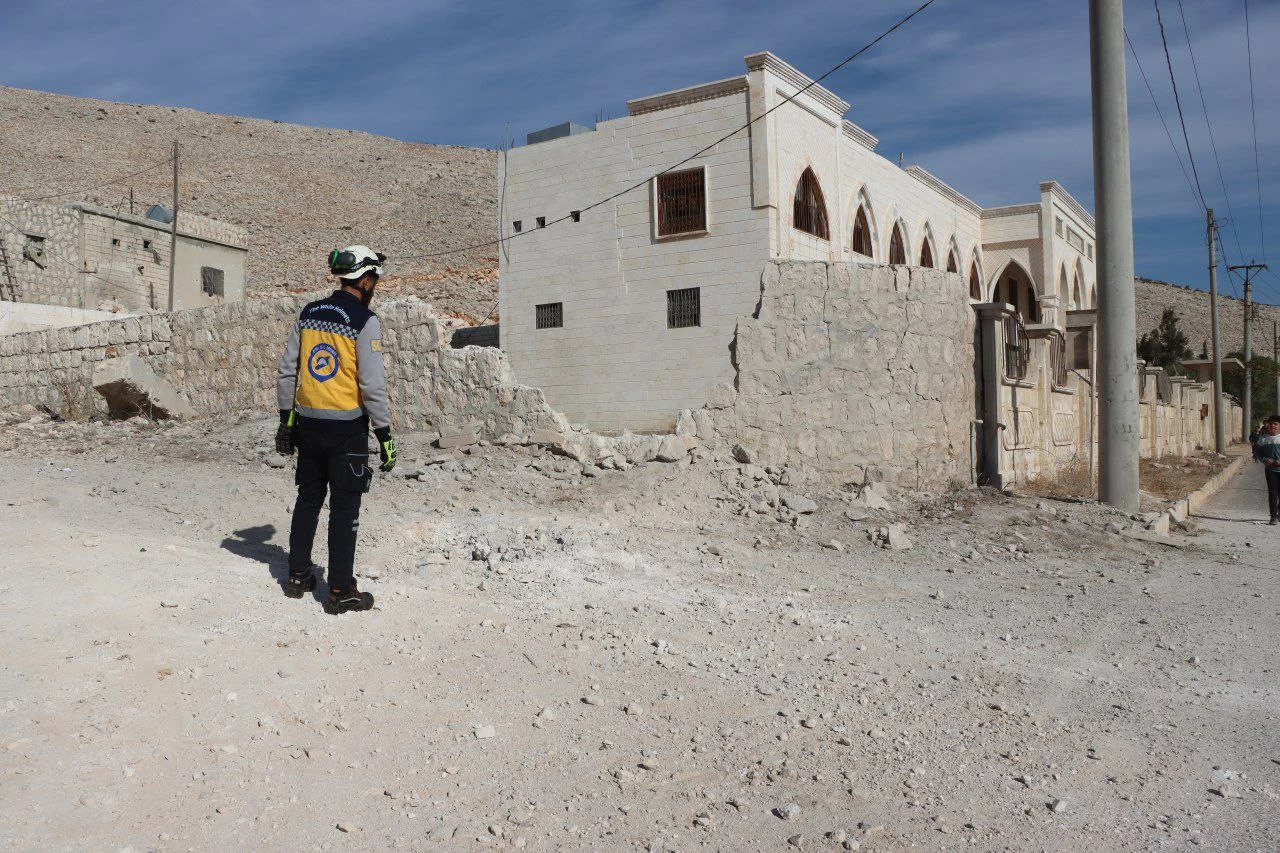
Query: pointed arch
point(1093, 296)
point(1015, 286)
point(975, 277)
point(953, 255)
point(860, 241)
point(898, 244)
point(1063, 293)
point(809, 210)
point(1078, 287)
point(928, 251)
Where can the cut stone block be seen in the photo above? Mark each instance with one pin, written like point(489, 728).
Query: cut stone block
point(132, 388)
point(450, 440)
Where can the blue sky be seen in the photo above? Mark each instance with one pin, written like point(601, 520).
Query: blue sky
point(990, 95)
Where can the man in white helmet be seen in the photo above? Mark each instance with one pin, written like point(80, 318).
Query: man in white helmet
point(331, 388)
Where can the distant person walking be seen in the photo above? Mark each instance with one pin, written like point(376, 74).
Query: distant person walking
point(331, 387)
point(1267, 451)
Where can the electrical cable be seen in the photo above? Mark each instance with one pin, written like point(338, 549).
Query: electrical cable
point(114, 180)
point(1209, 127)
point(1178, 103)
point(1176, 153)
point(1253, 111)
point(500, 240)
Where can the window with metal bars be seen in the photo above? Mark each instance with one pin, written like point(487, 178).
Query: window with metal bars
point(684, 308)
point(1017, 350)
point(1060, 365)
point(809, 213)
point(681, 199)
point(212, 281)
point(549, 316)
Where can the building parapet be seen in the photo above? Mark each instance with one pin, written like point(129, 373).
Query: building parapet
point(1068, 201)
point(933, 183)
point(191, 225)
point(858, 135)
point(769, 62)
point(1009, 210)
point(687, 95)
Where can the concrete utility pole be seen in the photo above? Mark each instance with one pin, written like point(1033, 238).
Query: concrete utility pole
point(1219, 428)
point(1247, 404)
point(1118, 434)
point(173, 230)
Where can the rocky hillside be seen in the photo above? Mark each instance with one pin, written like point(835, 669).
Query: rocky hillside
point(298, 190)
point(1192, 308)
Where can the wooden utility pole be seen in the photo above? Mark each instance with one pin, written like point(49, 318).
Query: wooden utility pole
point(1247, 403)
point(173, 230)
point(1219, 428)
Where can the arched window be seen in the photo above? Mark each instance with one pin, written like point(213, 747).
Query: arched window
point(861, 233)
point(953, 263)
point(975, 283)
point(810, 209)
point(926, 254)
point(1075, 294)
point(897, 251)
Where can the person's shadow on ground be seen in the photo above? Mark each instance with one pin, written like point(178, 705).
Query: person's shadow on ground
point(254, 543)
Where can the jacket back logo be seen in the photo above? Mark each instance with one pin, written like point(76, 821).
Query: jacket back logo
point(322, 363)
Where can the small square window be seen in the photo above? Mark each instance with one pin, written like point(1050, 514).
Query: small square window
point(517, 226)
point(1057, 226)
point(549, 316)
point(1090, 247)
point(212, 281)
point(542, 222)
point(575, 215)
point(684, 308)
point(146, 244)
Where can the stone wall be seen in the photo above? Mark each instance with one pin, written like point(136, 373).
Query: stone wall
point(59, 279)
point(861, 370)
point(224, 359)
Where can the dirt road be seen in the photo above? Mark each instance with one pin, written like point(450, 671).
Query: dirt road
point(625, 661)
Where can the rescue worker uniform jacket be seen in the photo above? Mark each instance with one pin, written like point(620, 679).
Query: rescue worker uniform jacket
point(331, 372)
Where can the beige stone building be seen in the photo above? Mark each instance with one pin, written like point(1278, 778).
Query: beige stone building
point(624, 314)
point(82, 256)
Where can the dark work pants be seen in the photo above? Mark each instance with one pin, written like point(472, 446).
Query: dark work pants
point(1273, 491)
point(336, 461)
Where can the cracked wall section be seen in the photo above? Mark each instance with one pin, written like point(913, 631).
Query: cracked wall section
point(853, 369)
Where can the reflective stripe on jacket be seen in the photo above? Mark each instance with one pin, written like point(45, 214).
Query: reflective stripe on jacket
point(332, 368)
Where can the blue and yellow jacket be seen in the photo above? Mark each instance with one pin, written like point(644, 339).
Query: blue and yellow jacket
point(331, 373)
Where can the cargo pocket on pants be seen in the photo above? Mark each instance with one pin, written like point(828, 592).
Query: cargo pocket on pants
point(358, 473)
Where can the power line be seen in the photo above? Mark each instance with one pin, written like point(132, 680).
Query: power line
point(695, 154)
point(108, 183)
point(1253, 111)
point(1178, 103)
point(1209, 127)
point(1176, 153)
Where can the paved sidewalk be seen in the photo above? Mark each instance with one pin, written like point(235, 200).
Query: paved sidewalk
point(1240, 505)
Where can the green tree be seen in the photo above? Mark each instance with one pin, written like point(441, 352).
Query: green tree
point(1264, 383)
point(1166, 345)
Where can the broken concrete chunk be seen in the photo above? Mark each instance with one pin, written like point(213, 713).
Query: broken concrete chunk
point(132, 388)
point(896, 538)
point(743, 454)
point(871, 498)
point(799, 504)
point(671, 449)
point(450, 440)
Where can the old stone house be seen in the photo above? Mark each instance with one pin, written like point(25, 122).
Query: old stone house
point(80, 256)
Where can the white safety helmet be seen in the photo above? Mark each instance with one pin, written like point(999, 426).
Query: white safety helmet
point(353, 262)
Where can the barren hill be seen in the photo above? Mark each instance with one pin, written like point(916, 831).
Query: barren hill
point(1192, 308)
point(298, 190)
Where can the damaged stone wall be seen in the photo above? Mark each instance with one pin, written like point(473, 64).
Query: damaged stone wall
point(861, 370)
point(224, 359)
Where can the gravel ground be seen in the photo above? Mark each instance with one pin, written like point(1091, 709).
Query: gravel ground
point(632, 660)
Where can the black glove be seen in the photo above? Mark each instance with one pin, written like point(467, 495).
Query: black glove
point(386, 448)
point(285, 439)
